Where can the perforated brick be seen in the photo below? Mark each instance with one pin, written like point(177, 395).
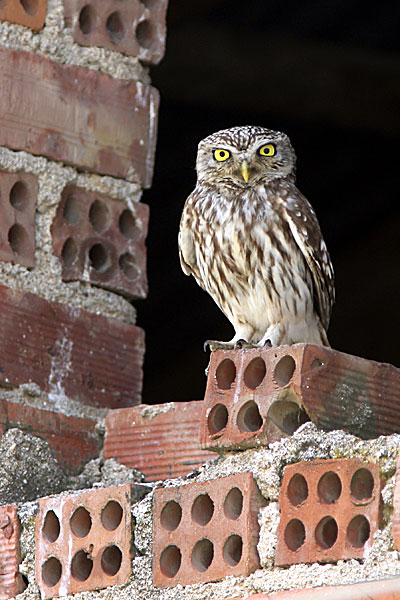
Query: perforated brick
point(18, 195)
point(206, 531)
point(102, 241)
point(30, 13)
point(144, 437)
point(135, 28)
point(83, 541)
point(11, 582)
point(329, 510)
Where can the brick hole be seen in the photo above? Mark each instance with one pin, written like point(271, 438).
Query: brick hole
point(171, 515)
point(284, 370)
point(297, 490)
point(146, 35)
point(51, 571)
point(217, 420)
point(295, 534)
point(127, 264)
point(80, 522)
point(81, 566)
point(232, 551)
point(111, 515)
point(225, 374)
point(358, 531)
point(111, 560)
point(254, 373)
point(249, 418)
point(202, 555)
point(72, 210)
point(69, 252)
point(115, 27)
point(202, 509)
point(287, 416)
point(18, 239)
point(99, 216)
point(127, 224)
point(329, 487)
point(19, 195)
point(87, 19)
point(51, 527)
point(326, 532)
point(170, 561)
point(99, 258)
point(233, 504)
point(30, 6)
point(362, 484)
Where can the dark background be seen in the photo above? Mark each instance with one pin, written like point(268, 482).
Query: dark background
point(326, 73)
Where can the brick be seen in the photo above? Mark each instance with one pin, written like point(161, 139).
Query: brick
point(102, 241)
point(11, 582)
point(83, 541)
point(92, 359)
point(74, 440)
point(101, 123)
point(18, 195)
point(259, 395)
point(206, 531)
point(144, 437)
point(30, 13)
point(330, 510)
point(396, 508)
point(135, 28)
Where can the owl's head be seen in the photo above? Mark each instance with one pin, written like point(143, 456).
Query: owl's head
point(245, 156)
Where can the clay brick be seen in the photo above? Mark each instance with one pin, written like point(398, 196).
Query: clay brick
point(206, 531)
point(135, 28)
point(92, 359)
point(11, 582)
point(18, 195)
point(102, 241)
point(83, 541)
point(396, 508)
point(30, 13)
point(259, 395)
point(73, 439)
point(329, 509)
point(145, 437)
point(102, 124)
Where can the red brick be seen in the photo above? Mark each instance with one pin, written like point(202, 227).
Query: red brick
point(11, 582)
point(330, 510)
point(30, 14)
point(396, 508)
point(92, 359)
point(73, 439)
point(83, 541)
point(101, 240)
point(132, 28)
point(77, 115)
point(206, 531)
point(145, 438)
point(18, 195)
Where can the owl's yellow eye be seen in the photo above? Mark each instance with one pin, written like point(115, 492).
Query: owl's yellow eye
point(267, 150)
point(220, 154)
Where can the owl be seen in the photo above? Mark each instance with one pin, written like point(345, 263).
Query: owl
point(252, 241)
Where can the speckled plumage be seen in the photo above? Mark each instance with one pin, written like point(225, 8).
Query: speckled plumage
point(256, 246)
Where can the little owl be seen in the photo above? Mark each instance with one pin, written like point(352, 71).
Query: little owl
point(253, 242)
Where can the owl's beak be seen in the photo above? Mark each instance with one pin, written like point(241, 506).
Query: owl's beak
point(244, 169)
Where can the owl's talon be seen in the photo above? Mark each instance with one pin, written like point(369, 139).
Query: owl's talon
point(215, 345)
point(243, 344)
point(267, 344)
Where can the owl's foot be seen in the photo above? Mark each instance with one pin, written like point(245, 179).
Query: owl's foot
point(214, 345)
point(242, 344)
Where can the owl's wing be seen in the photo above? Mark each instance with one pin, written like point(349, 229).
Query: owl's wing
point(306, 231)
point(186, 242)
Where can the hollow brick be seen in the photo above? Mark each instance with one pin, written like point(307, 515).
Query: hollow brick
point(329, 511)
point(206, 531)
point(11, 582)
point(30, 13)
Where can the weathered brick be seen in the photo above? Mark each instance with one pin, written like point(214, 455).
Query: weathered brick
point(77, 115)
point(92, 359)
point(18, 195)
point(206, 531)
point(134, 28)
point(30, 13)
point(396, 507)
point(11, 582)
point(330, 510)
point(83, 541)
point(144, 437)
point(101, 240)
